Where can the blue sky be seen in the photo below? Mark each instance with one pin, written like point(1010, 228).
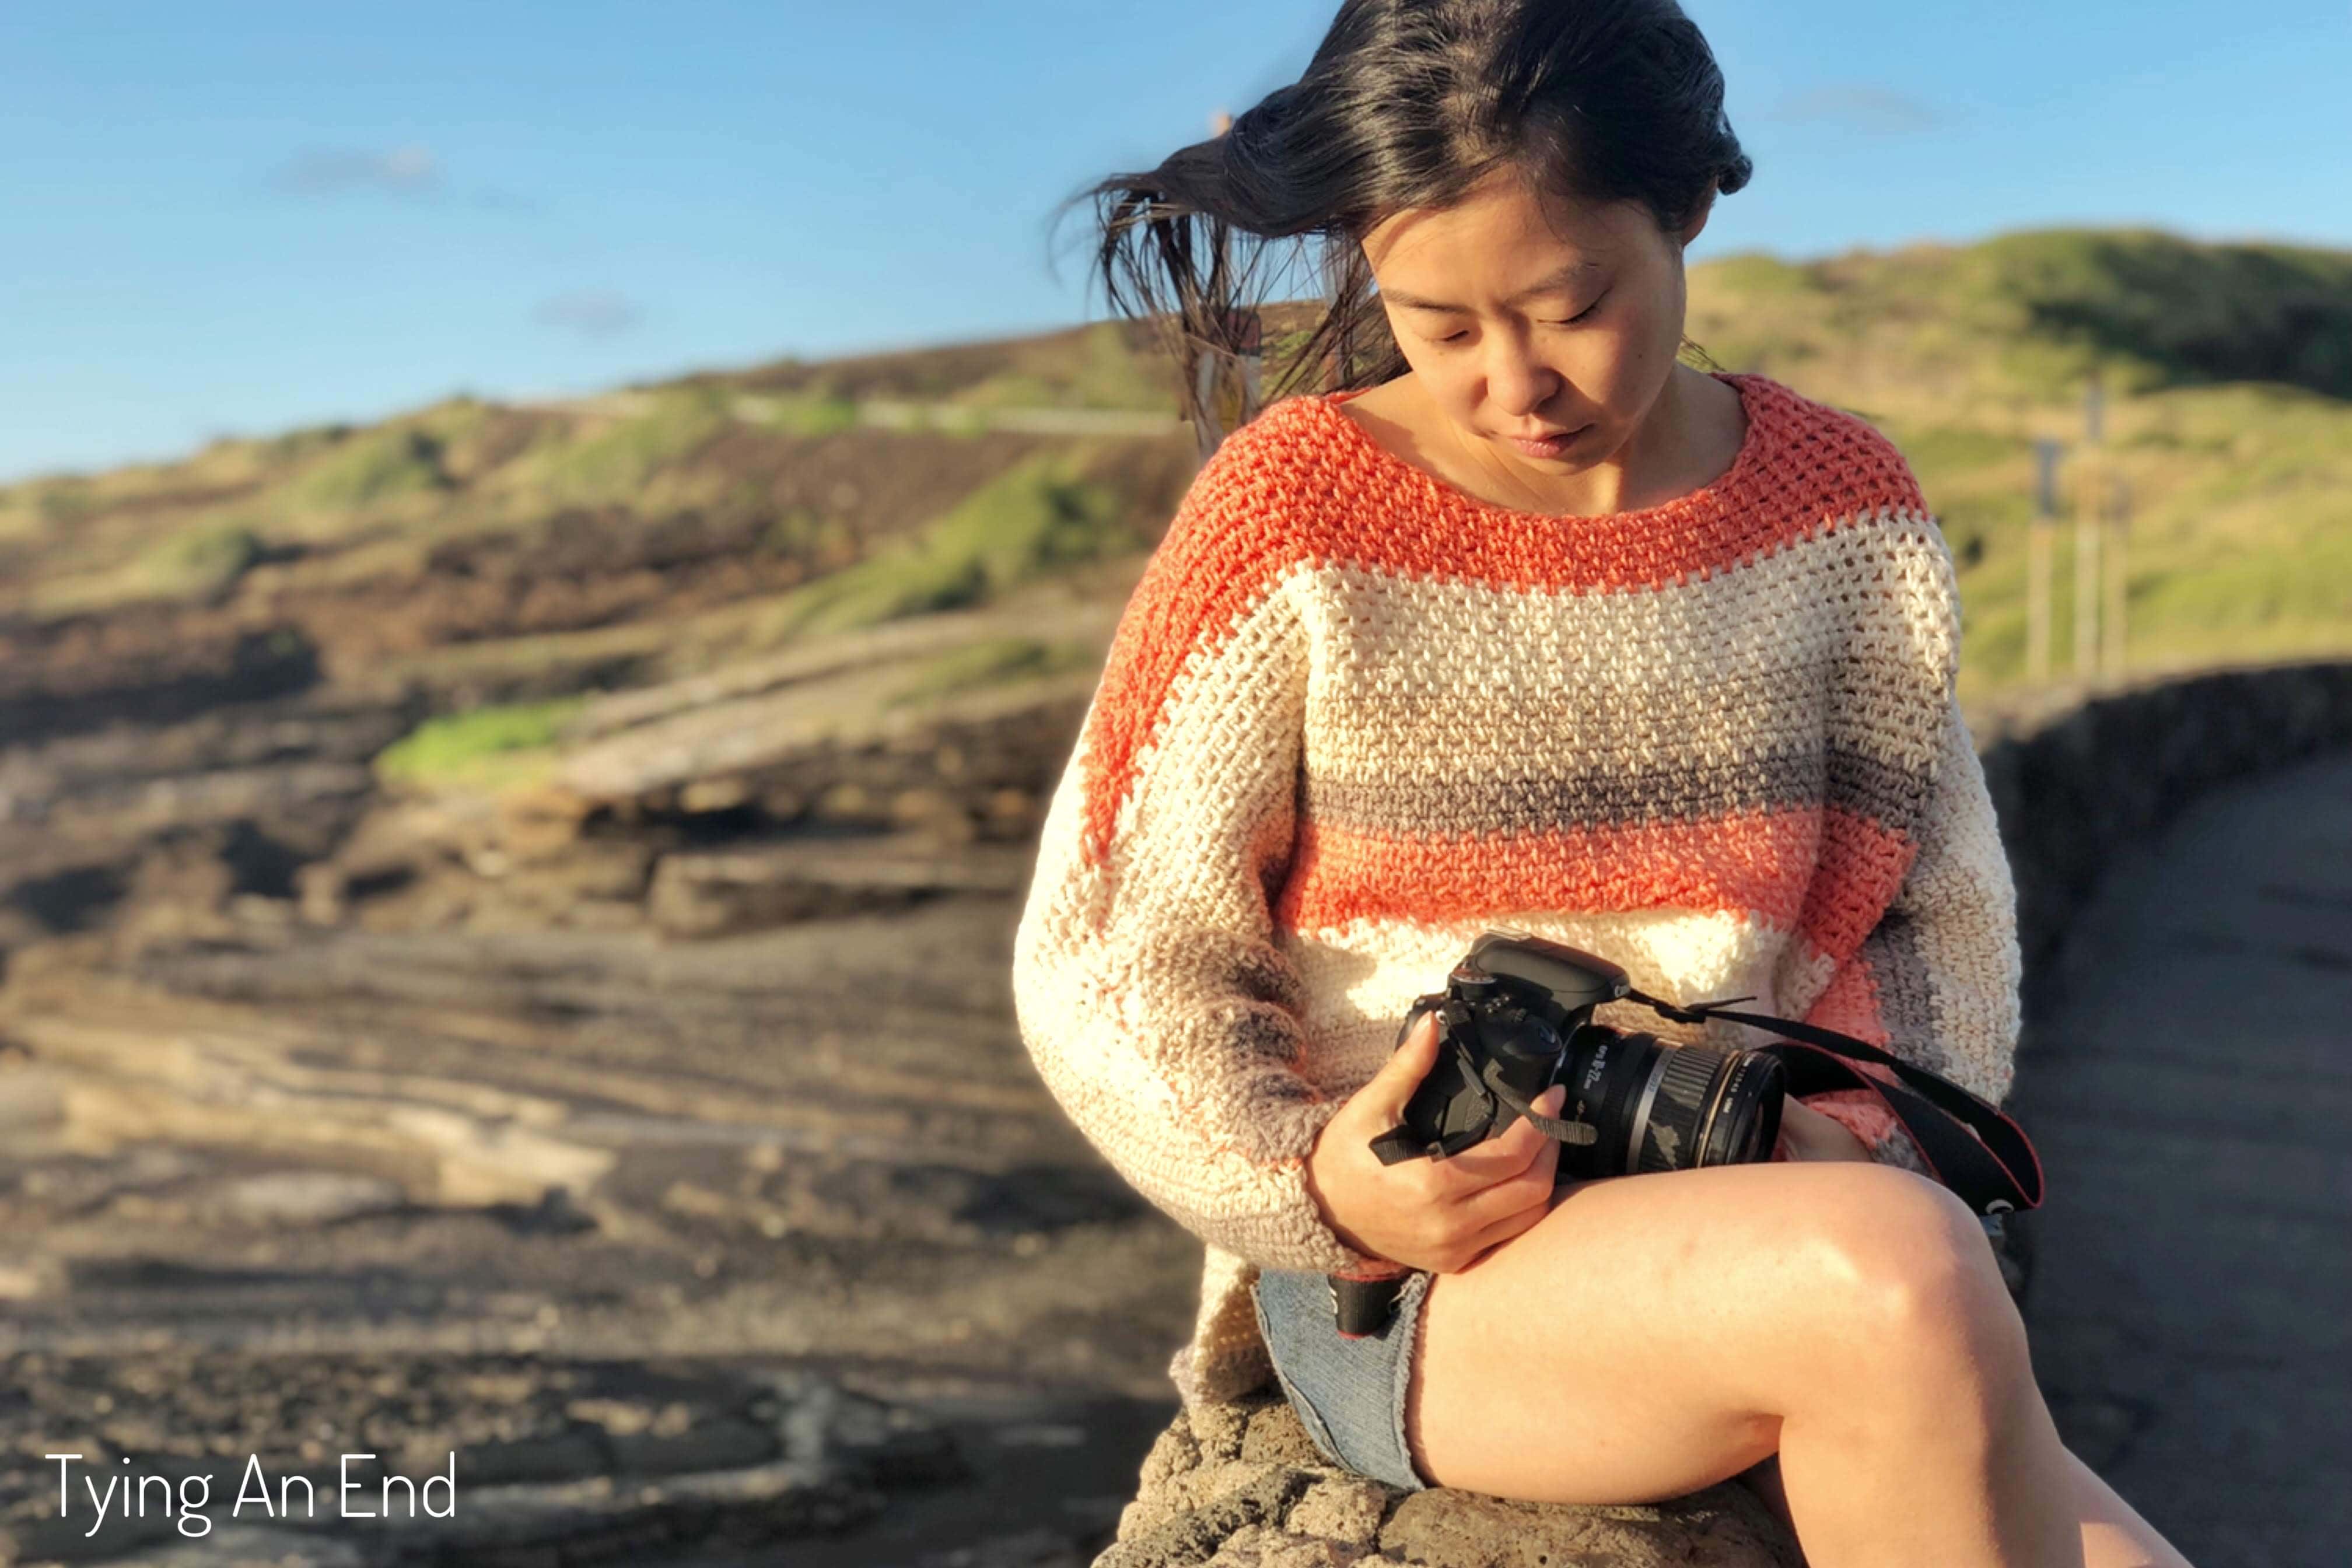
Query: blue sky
point(240, 217)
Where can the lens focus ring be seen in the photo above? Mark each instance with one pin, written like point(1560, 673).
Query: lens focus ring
point(1670, 1141)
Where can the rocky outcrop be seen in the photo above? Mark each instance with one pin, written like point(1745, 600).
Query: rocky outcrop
point(1244, 1487)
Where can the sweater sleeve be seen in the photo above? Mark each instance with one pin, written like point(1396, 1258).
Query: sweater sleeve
point(1150, 993)
point(1945, 958)
point(1936, 979)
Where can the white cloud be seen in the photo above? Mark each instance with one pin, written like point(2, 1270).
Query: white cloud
point(591, 312)
point(1860, 106)
point(402, 171)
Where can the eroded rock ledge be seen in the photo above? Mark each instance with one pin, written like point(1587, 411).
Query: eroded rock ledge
point(1244, 1487)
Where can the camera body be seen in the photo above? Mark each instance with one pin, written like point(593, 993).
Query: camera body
point(1515, 1017)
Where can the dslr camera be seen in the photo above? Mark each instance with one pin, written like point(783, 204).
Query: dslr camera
point(1515, 1017)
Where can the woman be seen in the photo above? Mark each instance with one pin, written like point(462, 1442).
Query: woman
point(1526, 623)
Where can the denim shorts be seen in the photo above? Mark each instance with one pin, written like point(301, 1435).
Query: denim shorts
point(1349, 1393)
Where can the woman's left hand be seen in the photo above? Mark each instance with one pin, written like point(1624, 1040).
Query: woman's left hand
point(1808, 1134)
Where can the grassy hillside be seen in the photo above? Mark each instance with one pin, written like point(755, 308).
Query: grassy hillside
point(2228, 371)
point(531, 551)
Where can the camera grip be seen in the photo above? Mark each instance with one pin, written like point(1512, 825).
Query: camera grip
point(1363, 1307)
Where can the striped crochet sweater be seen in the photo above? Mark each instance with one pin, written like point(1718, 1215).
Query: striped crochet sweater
point(1352, 716)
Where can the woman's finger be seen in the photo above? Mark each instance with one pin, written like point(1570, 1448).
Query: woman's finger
point(1503, 1201)
point(1503, 1157)
point(1533, 1187)
point(1507, 1228)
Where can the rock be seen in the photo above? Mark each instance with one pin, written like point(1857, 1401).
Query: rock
point(250, 1546)
point(717, 892)
point(538, 821)
point(309, 1197)
point(1245, 1486)
point(30, 1099)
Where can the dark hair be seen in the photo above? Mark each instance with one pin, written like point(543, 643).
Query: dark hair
point(1409, 104)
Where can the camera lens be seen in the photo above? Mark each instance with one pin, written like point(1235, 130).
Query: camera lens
point(1663, 1107)
point(1711, 1108)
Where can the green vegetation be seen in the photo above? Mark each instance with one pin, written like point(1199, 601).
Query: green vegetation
point(63, 505)
point(482, 749)
point(611, 462)
point(2027, 314)
point(816, 415)
point(203, 563)
point(1096, 369)
point(369, 467)
point(2177, 311)
point(998, 661)
point(2240, 545)
point(1038, 516)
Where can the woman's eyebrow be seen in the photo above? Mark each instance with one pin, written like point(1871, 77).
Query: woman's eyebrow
point(1565, 277)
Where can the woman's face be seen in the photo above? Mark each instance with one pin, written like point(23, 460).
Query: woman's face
point(1522, 318)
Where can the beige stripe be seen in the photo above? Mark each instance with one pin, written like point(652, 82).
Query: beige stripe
point(1444, 682)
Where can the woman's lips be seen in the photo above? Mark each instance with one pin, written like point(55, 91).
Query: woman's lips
point(1550, 447)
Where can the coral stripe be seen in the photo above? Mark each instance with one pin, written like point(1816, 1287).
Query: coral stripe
point(1849, 1003)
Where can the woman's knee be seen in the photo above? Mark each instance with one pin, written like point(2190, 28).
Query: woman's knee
point(1912, 1280)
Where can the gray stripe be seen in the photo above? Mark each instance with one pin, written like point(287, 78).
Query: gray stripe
point(1850, 780)
point(1907, 1002)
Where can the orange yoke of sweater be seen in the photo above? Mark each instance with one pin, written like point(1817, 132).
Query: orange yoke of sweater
point(1353, 716)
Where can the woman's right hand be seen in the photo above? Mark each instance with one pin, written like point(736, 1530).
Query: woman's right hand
point(1438, 1215)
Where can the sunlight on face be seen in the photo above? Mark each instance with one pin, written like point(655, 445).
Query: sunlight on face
point(1524, 318)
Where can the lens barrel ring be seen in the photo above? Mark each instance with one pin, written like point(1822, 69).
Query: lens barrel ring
point(1686, 1099)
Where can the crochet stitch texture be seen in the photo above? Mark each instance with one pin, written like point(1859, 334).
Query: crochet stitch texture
point(1352, 716)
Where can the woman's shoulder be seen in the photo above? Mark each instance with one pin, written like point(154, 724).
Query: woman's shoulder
point(1831, 462)
point(1283, 454)
point(1267, 487)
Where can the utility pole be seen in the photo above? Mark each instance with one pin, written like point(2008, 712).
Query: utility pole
point(2089, 503)
point(2111, 653)
point(2039, 549)
point(1244, 333)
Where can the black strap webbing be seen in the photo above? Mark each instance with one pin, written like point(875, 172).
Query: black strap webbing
point(1972, 1147)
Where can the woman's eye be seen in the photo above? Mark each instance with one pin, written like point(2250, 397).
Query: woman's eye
point(1579, 316)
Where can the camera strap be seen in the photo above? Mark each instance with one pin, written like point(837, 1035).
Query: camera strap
point(1971, 1146)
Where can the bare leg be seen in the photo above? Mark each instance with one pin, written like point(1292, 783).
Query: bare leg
point(1654, 1334)
point(2114, 1534)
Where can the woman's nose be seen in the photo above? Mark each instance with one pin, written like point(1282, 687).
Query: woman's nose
point(1521, 384)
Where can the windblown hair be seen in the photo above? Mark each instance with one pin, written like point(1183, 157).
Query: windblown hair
point(1409, 104)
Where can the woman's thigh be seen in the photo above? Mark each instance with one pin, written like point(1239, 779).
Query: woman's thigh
point(1649, 1335)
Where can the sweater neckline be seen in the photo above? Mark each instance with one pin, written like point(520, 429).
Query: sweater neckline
point(1733, 485)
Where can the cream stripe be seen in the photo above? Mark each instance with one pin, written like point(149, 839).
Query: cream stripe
point(1437, 681)
point(1362, 978)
